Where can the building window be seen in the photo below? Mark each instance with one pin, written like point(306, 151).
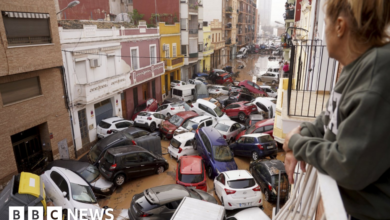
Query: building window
point(183, 24)
point(184, 50)
point(134, 58)
point(167, 51)
point(27, 28)
point(20, 90)
point(111, 65)
point(174, 50)
point(200, 47)
point(152, 52)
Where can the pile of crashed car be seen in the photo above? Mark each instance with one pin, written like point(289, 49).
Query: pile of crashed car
point(209, 120)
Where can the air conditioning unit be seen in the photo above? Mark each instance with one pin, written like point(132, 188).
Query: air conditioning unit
point(95, 62)
point(165, 47)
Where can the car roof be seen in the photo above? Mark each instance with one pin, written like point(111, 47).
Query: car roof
point(265, 122)
point(240, 103)
point(218, 70)
point(71, 176)
point(237, 174)
point(256, 135)
point(191, 165)
point(184, 136)
point(274, 166)
point(214, 136)
point(200, 118)
point(190, 86)
point(73, 165)
point(268, 87)
point(205, 102)
point(117, 151)
point(227, 122)
point(166, 193)
point(112, 119)
point(187, 114)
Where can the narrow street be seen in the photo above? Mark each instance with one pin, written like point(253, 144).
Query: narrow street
point(120, 200)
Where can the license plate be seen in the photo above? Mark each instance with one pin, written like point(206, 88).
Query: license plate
point(243, 204)
point(270, 147)
point(140, 121)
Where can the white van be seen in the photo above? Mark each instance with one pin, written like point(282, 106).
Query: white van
point(185, 93)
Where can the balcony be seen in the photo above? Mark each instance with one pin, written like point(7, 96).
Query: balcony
point(193, 6)
point(208, 50)
point(228, 10)
point(173, 63)
point(193, 32)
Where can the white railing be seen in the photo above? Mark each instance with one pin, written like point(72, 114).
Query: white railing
point(309, 188)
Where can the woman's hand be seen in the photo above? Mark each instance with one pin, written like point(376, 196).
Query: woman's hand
point(290, 162)
point(296, 130)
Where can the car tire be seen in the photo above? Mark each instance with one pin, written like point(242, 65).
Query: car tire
point(266, 195)
point(168, 115)
point(153, 127)
point(210, 172)
point(241, 116)
point(255, 156)
point(119, 179)
point(160, 170)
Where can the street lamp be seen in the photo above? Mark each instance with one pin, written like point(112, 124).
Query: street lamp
point(70, 5)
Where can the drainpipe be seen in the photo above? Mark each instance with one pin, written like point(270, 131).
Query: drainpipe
point(66, 100)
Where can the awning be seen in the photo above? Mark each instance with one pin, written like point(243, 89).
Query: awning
point(11, 14)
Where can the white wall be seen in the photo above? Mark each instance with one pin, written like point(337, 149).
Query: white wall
point(212, 9)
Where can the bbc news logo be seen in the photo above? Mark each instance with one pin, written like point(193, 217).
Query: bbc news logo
point(55, 213)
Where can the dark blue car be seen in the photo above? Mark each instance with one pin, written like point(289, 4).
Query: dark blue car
point(205, 75)
point(214, 151)
point(255, 146)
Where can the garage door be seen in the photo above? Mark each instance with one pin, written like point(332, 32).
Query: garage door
point(103, 110)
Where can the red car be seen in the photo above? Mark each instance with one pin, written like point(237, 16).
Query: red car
point(191, 172)
point(224, 78)
point(149, 106)
point(168, 127)
point(253, 88)
point(240, 110)
point(265, 126)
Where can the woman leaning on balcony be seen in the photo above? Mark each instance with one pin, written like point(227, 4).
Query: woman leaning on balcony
point(350, 140)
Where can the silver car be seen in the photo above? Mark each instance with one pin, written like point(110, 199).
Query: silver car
point(161, 202)
point(271, 76)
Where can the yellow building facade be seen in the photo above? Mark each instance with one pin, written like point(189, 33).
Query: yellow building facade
point(170, 54)
point(208, 50)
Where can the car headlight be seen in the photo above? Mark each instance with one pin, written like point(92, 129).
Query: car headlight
point(105, 190)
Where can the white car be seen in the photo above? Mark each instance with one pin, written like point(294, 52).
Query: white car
point(237, 189)
point(178, 83)
point(253, 213)
point(109, 126)
point(150, 120)
point(271, 93)
point(204, 107)
point(170, 109)
point(195, 123)
point(229, 129)
point(265, 105)
point(242, 52)
point(69, 190)
point(273, 100)
point(181, 145)
point(218, 90)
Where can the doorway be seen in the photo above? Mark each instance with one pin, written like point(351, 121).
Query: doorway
point(83, 127)
point(166, 84)
point(145, 90)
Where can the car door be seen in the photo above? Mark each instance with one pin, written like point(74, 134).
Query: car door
point(60, 186)
point(234, 130)
point(206, 154)
point(163, 109)
point(260, 172)
point(220, 185)
point(239, 148)
point(131, 165)
point(147, 164)
point(235, 110)
point(122, 125)
point(158, 118)
point(249, 146)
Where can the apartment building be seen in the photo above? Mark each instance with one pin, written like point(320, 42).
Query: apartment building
point(34, 118)
point(208, 49)
point(246, 22)
point(230, 19)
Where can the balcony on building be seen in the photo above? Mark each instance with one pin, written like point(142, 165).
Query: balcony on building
point(193, 26)
point(193, 6)
point(208, 49)
point(289, 15)
point(173, 62)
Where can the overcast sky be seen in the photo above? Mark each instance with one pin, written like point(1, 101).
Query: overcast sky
point(277, 11)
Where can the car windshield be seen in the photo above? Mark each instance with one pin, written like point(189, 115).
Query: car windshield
point(222, 153)
point(144, 114)
point(225, 77)
point(218, 111)
point(82, 194)
point(256, 86)
point(105, 125)
point(189, 124)
point(176, 120)
point(212, 100)
point(109, 158)
point(251, 129)
point(94, 153)
point(175, 143)
point(191, 178)
point(248, 104)
point(90, 173)
point(140, 108)
point(222, 127)
point(242, 183)
point(265, 138)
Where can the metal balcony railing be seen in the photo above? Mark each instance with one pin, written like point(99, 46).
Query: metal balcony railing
point(193, 55)
point(13, 41)
point(311, 76)
point(289, 14)
point(193, 31)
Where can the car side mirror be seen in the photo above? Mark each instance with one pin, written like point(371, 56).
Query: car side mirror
point(64, 194)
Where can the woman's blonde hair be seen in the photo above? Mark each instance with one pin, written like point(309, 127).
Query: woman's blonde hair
point(369, 19)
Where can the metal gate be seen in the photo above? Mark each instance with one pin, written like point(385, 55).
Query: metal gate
point(103, 110)
point(83, 127)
